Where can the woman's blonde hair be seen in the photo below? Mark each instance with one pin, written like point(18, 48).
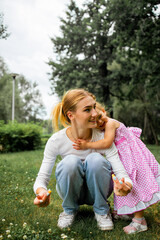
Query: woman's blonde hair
point(69, 103)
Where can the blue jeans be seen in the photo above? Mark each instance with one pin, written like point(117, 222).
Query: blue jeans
point(87, 182)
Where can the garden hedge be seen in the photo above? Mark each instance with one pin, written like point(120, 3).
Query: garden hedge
point(15, 137)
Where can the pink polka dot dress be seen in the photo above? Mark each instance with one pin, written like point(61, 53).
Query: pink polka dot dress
point(142, 168)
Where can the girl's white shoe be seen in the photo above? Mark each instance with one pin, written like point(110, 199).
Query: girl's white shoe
point(136, 226)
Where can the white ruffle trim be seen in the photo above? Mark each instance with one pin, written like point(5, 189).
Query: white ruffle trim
point(141, 205)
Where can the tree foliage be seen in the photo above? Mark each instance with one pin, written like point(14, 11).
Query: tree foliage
point(136, 42)
point(3, 28)
point(28, 102)
point(112, 49)
point(84, 50)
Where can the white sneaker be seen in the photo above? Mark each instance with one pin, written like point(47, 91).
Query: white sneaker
point(104, 222)
point(65, 220)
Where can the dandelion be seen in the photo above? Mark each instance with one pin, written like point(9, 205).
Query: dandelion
point(8, 231)
point(63, 235)
point(3, 220)
point(24, 224)
point(49, 230)
point(9, 236)
point(25, 237)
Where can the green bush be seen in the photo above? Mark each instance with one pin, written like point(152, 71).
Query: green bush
point(15, 137)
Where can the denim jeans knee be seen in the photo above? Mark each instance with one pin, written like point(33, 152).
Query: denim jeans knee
point(97, 161)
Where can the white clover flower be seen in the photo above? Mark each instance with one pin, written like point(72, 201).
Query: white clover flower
point(8, 231)
point(37, 236)
point(63, 235)
point(25, 237)
point(22, 201)
point(3, 220)
point(37, 223)
point(33, 232)
point(49, 230)
point(24, 224)
point(9, 236)
point(1, 236)
point(11, 224)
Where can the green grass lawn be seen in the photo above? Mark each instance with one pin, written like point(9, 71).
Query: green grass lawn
point(20, 219)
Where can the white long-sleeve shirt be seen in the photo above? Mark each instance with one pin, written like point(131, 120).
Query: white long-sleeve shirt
point(60, 144)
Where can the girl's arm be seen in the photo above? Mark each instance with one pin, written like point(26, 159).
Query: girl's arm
point(109, 135)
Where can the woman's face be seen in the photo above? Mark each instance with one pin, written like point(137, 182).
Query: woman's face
point(100, 120)
point(85, 115)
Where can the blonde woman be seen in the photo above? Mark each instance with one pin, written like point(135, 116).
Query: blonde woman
point(82, 177)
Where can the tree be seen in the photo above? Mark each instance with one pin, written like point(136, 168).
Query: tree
point(83, 51)
point(136, 40)
point(3, 28)
point(28, 103)
point(112, 49)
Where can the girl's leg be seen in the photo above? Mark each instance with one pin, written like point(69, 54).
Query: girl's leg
point(139, 214)
point(69, 176)
point(99, 183)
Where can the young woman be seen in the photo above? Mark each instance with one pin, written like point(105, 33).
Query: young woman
point(82, 177)
point(139, 162)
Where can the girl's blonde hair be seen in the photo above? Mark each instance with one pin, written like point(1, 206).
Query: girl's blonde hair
point(69, 103)
point(101, 107)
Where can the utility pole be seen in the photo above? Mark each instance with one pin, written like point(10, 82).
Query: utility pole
point(13, 94)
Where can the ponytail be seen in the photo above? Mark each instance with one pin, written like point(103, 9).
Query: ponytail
point(58, 114)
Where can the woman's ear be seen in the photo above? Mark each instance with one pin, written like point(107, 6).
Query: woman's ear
point(70, 115)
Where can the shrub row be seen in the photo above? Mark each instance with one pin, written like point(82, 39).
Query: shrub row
point(15, 137)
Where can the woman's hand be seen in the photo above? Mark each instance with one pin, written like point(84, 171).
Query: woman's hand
point(121, 188)
point(43, 197)
point(80, 144)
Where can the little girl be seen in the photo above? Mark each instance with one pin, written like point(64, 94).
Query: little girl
point(140, 164)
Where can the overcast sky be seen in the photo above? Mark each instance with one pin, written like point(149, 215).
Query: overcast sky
point(28, 48)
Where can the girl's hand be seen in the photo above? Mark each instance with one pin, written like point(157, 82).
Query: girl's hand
point(120, 187)
point(80, 144)
point(42, 197)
